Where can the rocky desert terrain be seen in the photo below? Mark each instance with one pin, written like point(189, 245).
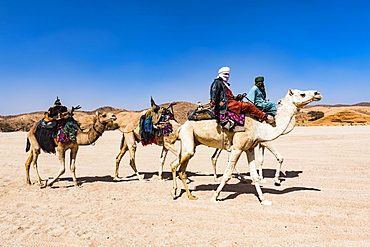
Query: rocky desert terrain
point(333, 115)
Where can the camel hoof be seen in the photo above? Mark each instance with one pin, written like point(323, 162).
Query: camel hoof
point(277, 182)
point(116, 178)
point(266, 203)
point(262, 181)
point(191, 197)
point(44, 185)
point(214, 200)
point(173, 193)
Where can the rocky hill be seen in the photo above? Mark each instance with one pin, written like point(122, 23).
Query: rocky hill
point(358, 114)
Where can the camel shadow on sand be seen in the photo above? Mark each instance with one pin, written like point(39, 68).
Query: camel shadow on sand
point(241, 188)
point(246, 187)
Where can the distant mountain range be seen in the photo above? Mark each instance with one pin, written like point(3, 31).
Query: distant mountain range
point(339, 114)
point(367, 104)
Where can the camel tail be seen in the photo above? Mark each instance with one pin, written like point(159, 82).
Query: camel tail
point(28, 145)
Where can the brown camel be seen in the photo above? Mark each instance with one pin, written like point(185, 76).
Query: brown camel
point(211, 134)
point(82, 138)
point(129, 126)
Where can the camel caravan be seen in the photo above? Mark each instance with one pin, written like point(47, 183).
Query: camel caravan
point(235, 132)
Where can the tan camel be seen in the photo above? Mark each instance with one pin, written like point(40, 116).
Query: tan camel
point(129, 126)
point(260, 158)
point(211, 134)
point(82, 138)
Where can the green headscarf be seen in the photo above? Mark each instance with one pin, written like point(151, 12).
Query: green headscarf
point(261, 86)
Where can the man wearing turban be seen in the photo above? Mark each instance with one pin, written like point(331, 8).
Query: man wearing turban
point(257, 96)
point(223, 99)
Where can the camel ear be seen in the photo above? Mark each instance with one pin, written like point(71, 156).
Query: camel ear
point(291, 92)
point(97, 113)
point(155, 107)
point(152, 103)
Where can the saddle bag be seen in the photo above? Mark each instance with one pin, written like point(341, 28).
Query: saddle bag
point(202, 112)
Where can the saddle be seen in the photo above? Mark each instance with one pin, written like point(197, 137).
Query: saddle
point(57, 121)
point(230, 120)
point(155, 122)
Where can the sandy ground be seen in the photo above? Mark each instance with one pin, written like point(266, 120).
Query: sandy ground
point(324, 199)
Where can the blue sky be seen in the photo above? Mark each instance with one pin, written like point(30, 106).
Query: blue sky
point(119, 53)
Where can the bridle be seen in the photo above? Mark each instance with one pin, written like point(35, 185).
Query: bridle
point(88, 135)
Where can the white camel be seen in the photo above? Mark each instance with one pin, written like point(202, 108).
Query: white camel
point(260, 158)
point(211, 134)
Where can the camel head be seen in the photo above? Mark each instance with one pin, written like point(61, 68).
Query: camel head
point(105, 118)
point(301, 98)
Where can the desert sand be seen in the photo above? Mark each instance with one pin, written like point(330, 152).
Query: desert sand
point(324, 199)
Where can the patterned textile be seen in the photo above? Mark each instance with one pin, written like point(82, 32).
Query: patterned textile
point(67, 133)
point(239, 119)
point(149, 130)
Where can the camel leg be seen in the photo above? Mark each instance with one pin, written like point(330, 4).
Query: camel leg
point(132, 151)
point(169, 147)
point(187, 151)
point(36, 153)
point(280, 160)
point(214, 159)
point(174, 181)
point(260, 159)
point(183, 177)
point(233, 159)
point(162, 159)
point(72, 165)
point(32, 159)
point(61, 156)
point(27, 166)
point(122, 152)
point(255, 176)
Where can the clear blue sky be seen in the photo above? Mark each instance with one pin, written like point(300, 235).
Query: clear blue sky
point(119, 53)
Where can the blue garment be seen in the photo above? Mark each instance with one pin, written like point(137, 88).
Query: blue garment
point(148, 124)
point(256, 97)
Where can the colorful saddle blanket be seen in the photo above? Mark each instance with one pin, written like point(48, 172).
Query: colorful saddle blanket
point(232, 121)
point(154, 124)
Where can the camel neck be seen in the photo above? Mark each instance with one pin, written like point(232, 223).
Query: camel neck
point(88, 138)
point(284, 116)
